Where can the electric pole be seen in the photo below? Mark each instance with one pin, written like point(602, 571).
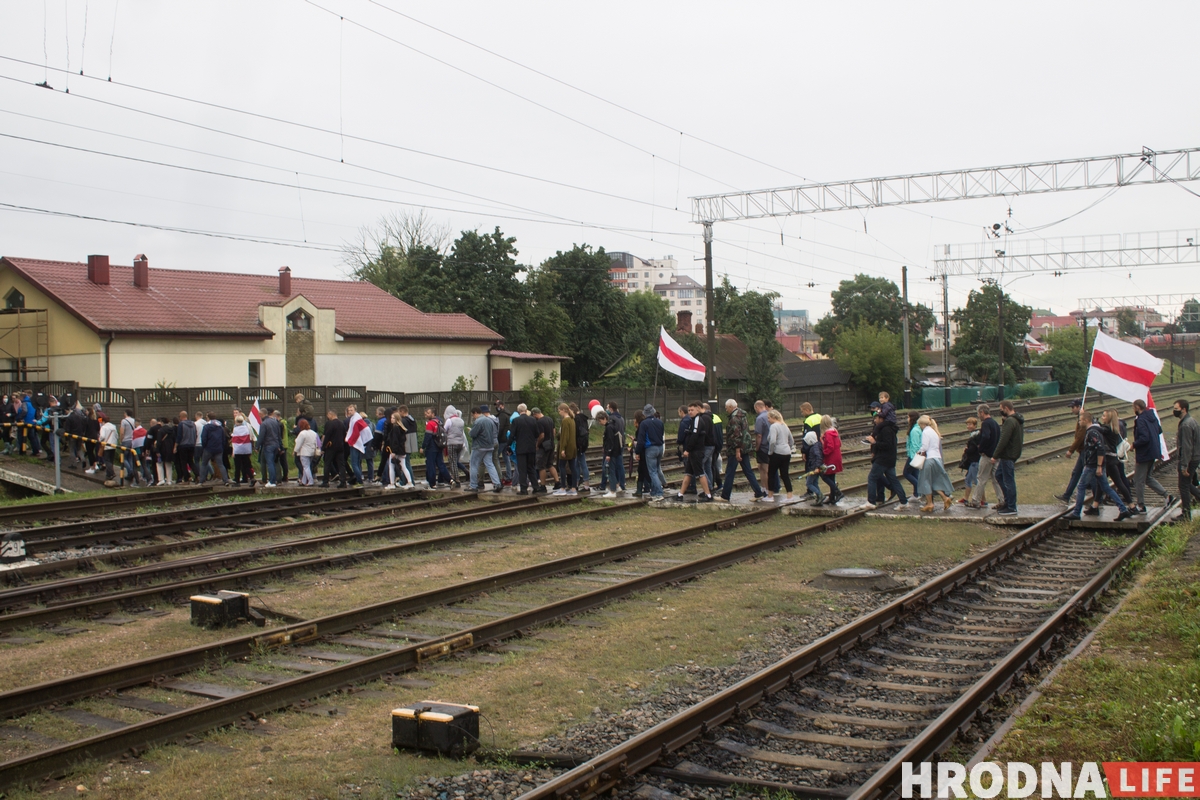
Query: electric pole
point(709, 322)
point(904, 322)
point(946, 334)
point(1000, 332)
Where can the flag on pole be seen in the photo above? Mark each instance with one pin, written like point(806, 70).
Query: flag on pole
point(677, 361)
point(1121, 369)
point(358, 434)
point(255, 416)
point(1162, 439)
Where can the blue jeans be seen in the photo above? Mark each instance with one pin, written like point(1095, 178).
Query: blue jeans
point(612, 471)
point(356, 461)
point(269, 455)
point(747, 470)
point(653, 456)
point(972, 474)
point(1100, 484)
point(206, 461)
point(581, 469)
point(911, 474)
point(1075, 473)
point(881, 479)
point(1006, 474)
point(480, 457)
point(132, 473)
point(812, 485)
point(435, 467)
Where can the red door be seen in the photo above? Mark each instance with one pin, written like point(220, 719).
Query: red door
point(502, 380)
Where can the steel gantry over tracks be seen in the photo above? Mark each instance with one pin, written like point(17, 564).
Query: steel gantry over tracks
point(1106, 251)
point(1041, 177)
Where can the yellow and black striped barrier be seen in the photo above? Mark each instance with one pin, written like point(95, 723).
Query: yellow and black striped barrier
point(76, 437)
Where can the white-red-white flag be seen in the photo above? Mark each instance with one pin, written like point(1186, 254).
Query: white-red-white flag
point(677, 361)
point(358, 433)
point(1034, 346)
point(1162, 438)
point(255, 416)
point(1121, 369)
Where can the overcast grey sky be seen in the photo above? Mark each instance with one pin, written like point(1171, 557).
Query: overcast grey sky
point(794, 91)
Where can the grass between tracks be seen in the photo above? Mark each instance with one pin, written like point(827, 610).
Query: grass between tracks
point(1132, 695)
point(569, 672)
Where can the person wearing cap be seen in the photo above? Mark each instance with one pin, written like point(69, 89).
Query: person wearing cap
point(648, 445)
point(1076, 449)
point(483, 443)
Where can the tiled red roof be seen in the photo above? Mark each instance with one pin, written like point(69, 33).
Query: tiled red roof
point(187, 303)
point(517, 355)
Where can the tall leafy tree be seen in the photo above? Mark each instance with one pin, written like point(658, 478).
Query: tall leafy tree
point(1189, 320)
point(481, 279)
point(1127, 323)
point(1068, 357)
point(750, 317)
point(547, 325)
point(977, 349)
point(875, 300)
point(647, 314)
point(873, 356)
point(597, 310)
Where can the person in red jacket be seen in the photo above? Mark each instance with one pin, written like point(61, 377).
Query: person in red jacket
point(831, 445)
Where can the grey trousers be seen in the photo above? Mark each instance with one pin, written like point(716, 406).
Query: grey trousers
point(987, 472)
point(1142, 478)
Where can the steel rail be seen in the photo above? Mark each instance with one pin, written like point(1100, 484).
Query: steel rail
point(246, 577)
point(645, 749)
point(18, 576)
point(50, 590)
point(72, 534)
point(58, 509)
point(269, 698)
point(960, 715)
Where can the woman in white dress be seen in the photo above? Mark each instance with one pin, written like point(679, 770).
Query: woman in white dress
point(933, 472)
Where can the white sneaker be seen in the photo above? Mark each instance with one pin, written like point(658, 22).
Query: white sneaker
point(559, 493)
point(90, 471)
point(572, 493)
point(868, 506)
point(609, 495)
point(268, 486)
point(387, 486)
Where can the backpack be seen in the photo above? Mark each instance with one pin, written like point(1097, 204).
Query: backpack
point(439, 436)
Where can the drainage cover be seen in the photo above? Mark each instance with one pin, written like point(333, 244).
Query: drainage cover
point(855, 579)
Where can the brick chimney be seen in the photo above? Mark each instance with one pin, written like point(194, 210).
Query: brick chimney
point(285, 281)
point(98, 270)
point(141, 272)
point(683, 321)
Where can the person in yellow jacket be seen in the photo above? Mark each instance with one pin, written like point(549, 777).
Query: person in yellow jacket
point(566, 451)
point(811, 419)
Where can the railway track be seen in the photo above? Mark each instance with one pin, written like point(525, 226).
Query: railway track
point(839, 717)
point(40, 512)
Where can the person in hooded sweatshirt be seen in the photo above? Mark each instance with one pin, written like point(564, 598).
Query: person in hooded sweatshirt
point(185, 449)
point(456, 443)
point(831, 449)
point(814, 461)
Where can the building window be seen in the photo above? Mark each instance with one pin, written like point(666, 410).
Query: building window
point(14, 299)
point(647, 275)
point(672, 293)
point(17, 369)
point(685, 302)
point(256, 374)
point(670, 302)
point(633, 285)
point(686, 292)
point(299, 320)
point(661, 293)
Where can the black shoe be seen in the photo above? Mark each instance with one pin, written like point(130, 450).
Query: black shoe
point(1010, 512)
point(1062, 498)
point(540, 490)
point(1092, 512)
point(1140, 510)
point(1070, 517)
point(498, 489)
point(1170, 500)
point(1124, 515)
point(705, 498)
point(677, 498)
point(523, 492)
point(837, 498)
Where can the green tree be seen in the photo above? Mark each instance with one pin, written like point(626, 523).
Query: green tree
point(976, 350)
point(648, 313)
point(875, 300)
point(541, 392)
point(750, 317)
point(547, 326)
point(599, 315)
point(1189, 320)
point(874, 357)
point(1127, 323)
point(1066, 355)
point(480, 278)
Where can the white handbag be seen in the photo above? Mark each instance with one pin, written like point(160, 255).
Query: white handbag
point(917, 462)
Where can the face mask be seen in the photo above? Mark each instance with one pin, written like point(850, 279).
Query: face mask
point(1177, 412)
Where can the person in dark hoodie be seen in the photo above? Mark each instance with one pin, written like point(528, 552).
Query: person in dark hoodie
point(883, 462)
point(1008, 450)
point(1095, 452)
point(1147, 433)
point(334, 447)
point(185, 449)
point(699, 432)
point(648, 446)
point(611, 451)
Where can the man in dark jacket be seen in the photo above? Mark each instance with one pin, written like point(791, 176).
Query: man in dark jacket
point(503, 453)
point(1008, 450)
point(611, 451)
point(524, 432)
point(989, 437)
point(883, 463)
point(583, 437)
point(1146, 444)
point(738, 445)
point(212, 442)
point(614, 416)
point(334, 447)
point(648, 444)
point(699, 433)
point(270, 440)
point(547, 456)
point(76, 425)
point(185, 449)
point(1187, 456)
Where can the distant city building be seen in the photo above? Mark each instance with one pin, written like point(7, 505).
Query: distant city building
point(1041, 324)
point(631, 273)
point(790, 322)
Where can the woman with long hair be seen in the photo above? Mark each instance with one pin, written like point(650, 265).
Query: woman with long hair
point(1113, 428)
point(911, 473)
point(780, 445)
point(308, 448)
point(643, 473)
point(395, 439)
point(933, 477)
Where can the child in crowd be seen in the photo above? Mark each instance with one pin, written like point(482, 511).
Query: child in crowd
point(970, 457)
point(814, 460)
point(886, 409)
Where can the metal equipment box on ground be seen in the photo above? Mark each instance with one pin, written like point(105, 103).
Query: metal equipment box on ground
point(446, 728)
point(220, 610)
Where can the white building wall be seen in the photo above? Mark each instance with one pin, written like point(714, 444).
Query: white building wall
point(143, 363)
point(403, 366)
